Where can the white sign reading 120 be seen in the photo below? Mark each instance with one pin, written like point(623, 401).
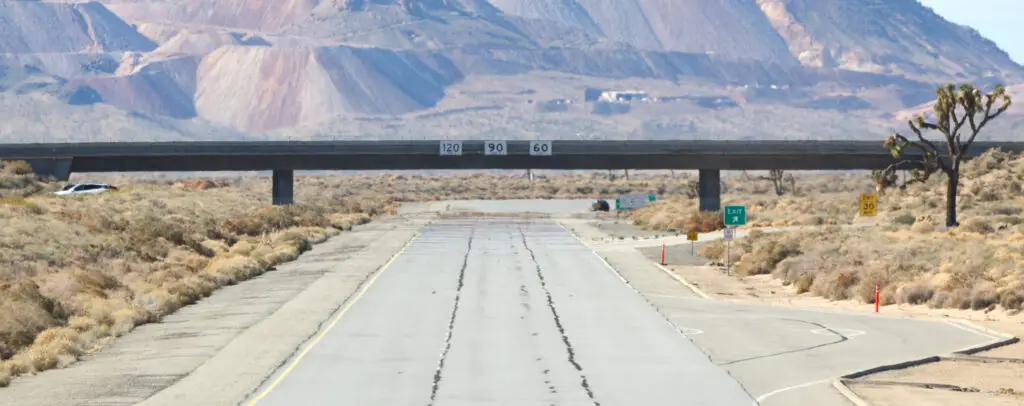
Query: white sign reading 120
point(542, 148)
point(451, 147)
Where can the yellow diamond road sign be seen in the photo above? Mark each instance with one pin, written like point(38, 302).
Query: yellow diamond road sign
point(691, 236)
point(868, 204)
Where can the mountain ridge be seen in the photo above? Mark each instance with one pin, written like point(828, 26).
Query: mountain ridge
point(307, 67)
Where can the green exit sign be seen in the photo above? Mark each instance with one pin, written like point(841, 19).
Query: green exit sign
point(735, 215)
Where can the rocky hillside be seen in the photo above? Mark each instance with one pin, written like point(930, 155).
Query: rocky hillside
point(482, 68)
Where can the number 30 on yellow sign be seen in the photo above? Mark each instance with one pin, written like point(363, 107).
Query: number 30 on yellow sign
point(868, 204)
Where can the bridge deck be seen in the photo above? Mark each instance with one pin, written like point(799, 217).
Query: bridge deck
point(283, 157)
point(476, 147)
point(564, 154)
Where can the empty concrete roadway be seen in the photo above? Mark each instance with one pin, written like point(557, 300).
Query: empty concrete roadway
point(501, 312)
point(489, 311)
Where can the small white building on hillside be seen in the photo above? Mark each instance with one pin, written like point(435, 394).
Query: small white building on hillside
point(619, 96)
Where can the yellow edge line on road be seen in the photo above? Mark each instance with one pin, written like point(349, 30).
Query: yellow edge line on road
point(337, 318)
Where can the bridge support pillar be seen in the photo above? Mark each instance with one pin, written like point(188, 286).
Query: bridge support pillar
point(57, 168)
point(709, 189)
point(283, 187)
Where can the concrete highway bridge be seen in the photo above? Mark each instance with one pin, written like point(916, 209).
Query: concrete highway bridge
point(285, 157)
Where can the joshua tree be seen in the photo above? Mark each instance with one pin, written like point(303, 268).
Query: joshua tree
point(781, 181)
point(953, 109)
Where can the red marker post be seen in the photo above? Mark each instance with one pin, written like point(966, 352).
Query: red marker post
point(663, 253)
point(878, 291)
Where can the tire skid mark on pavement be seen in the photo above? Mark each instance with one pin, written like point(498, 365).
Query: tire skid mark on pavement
point(821, 327)
point(558, 323)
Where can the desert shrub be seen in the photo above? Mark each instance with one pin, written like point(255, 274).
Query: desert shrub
point(904, 219)
point(915, 293)
point(261, 221)
point(706, 222)
point(27, 206)
point(345, 221)
point(959, 298)
point(803, 283)
point(977, 225)
point(835, 285)
point(766, 255)
point(24, 313)
point(714, 251)
point(983, 295)
point(923, 227)
point(1012, 299)
point(17, 168)
point(1005, 211)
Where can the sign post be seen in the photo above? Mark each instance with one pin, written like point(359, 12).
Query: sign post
point(692, 237)
point(868, 204)
point(727, 235)
point(732, 216)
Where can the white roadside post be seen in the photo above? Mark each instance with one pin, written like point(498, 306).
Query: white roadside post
point(538, 148)
point(727, 235)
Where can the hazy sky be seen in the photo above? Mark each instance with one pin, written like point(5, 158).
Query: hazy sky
point(1001, 21)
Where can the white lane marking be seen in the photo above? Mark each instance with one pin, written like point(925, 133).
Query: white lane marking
point(849, 333)
point(341, 313)
point(606, 264)
point(761, 398)
point(673, 297)
point(971, 329)
point(962, 325)
point(662, 268)
point(690, 331)
point(956, 324)
point(683, 281)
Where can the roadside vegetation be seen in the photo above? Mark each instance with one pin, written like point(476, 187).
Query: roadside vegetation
point(805, 199)
point(916, 248)
point(906, 247)
point(76, 272)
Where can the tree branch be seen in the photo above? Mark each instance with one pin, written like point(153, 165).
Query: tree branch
point(923, 140)
point(988, 117)
point(927, 148)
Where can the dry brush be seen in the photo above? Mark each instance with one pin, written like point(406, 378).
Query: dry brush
point(979, 265)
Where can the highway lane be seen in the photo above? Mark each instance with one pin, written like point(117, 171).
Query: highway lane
point(463, 317)
point(388, 344)
point(500, 312)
